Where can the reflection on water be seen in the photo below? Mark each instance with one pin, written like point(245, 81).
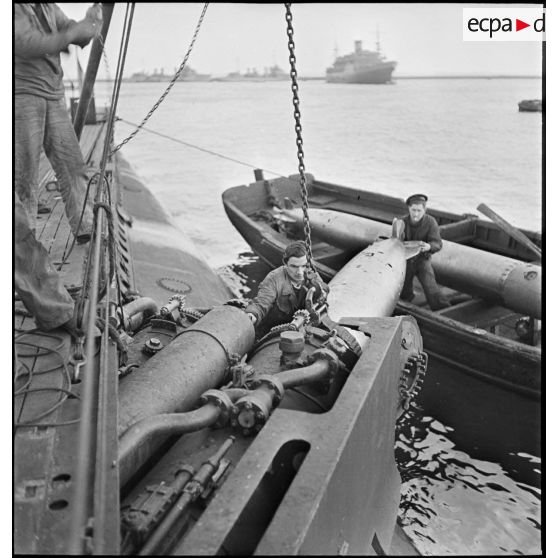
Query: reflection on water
point(452, 503)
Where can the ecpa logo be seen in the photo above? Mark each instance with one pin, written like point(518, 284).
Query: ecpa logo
point(503, 24)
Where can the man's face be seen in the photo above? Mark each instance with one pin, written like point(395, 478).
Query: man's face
point(416, 212)
point(296, 268)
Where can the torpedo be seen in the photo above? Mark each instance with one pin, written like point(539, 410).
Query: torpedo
point(370, 284)
point(505, 281)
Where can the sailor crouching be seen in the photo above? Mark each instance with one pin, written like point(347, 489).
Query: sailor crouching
point(284, 290)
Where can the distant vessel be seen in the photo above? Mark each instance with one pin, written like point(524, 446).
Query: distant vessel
point(530, 105)
point(361, 66)
point(273, 73)
point(187, 74)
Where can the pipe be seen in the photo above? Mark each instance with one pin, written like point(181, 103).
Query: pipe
point(304, 375)
point(135, 445)
point(91, 71)
point(190, 493)
point(144, 431)
point(196, 360)
point(135, 312)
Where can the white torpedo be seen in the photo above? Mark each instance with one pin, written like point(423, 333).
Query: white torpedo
point(370, 284)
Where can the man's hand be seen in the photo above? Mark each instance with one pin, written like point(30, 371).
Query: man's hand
point(424, 247)
point(253, 318)
point(312, 276)
point(315, 281)
point(95, 13)
point(81, 32)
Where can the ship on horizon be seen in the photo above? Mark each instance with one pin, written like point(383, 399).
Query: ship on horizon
point(273, 73)
point(187, 74)
point(361, 66)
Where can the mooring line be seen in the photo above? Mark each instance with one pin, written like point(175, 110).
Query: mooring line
point(209, 151)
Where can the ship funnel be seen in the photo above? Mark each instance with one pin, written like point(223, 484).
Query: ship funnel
point(358, 46)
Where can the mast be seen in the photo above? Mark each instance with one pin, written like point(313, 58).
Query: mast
point(377, 39)
point(91, 71)
point(79, 70)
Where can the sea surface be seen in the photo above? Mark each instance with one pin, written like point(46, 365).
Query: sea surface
point(460, 141)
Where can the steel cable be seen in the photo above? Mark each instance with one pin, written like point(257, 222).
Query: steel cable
point(169, 87)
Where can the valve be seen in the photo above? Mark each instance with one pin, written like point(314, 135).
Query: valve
point(291, 344)
point(175, 301)
point(252, 411)
point(152, 345)
point(221, 400)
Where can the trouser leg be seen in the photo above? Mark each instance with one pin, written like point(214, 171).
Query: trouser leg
point(427, 278)
point(37, 282)
point(407, 292)
point(30, 115)
point(63, 152)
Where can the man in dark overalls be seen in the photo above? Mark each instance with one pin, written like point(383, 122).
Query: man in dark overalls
point(41, 33)
point(420, 226)
point(284, 290)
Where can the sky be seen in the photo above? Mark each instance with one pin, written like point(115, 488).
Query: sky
point(424, 39)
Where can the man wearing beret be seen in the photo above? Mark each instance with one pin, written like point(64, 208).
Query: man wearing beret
point(419, 226)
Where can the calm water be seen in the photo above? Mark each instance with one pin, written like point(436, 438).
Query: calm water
point(462, 142)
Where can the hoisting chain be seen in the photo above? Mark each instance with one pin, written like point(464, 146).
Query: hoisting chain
point(169, 87)
point(298, 130)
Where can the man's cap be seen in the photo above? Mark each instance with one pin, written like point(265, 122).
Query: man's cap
point(416, 198)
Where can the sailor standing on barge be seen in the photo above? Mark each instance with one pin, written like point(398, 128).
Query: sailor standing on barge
point(41, 32)
point(424, 228)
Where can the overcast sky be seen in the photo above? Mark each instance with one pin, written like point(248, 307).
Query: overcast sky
point(424, 39)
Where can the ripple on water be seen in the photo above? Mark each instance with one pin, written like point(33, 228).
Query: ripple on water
point(452, 503)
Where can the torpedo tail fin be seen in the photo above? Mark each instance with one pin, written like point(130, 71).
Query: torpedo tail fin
point(412, 247)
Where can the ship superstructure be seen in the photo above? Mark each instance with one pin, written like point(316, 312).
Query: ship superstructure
point(361, 66)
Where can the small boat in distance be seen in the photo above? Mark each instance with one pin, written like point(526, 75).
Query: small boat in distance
point(530, 105)
point(361, 66)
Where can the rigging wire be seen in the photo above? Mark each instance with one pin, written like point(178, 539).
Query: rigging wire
point(171, 83)
point(87, 441)
point(204, 150)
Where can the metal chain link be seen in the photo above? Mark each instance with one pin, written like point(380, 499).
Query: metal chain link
point(171, 83)
point(298, 130)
